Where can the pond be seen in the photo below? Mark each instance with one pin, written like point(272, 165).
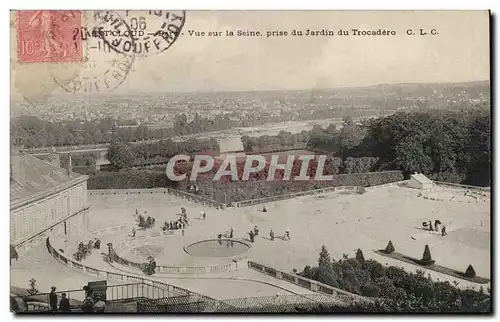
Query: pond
point(217, 248)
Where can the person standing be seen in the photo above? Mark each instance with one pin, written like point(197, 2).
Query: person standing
point(53, 299)
point(437, 225)
point(100, 305)
point(231, 233)
point(271, 234)
point(88, 304)
point(152, 265)
point(133, 232)
point(251, 236)
point(287, 234)
point(64, 305)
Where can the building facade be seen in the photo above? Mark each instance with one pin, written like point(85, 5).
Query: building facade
point(45, 199)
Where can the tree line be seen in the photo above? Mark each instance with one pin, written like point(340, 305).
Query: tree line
point(122, 154)
point(38, 133)
point(452, 146)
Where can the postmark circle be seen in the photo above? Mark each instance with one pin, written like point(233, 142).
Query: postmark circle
point(153, 31)
point(104, 68)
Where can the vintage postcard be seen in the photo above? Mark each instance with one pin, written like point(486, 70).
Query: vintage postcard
point(177, 161)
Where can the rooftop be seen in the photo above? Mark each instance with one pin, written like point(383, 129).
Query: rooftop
point(30, 175)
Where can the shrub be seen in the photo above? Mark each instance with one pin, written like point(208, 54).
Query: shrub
point(470, 272)
point(426, 257)
point(370, 290)
point(390, 248)
point(378, 271)
point(398, 290)
point(131, 179)
point(359, 256)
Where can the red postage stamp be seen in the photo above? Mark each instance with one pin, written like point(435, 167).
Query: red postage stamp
point(49, 36)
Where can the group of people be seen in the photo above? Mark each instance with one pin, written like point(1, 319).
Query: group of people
point(438, 226)
point(149, 268)
point(181, 223)
point(173, 225)
point(285, 237)
point(228, 234)
point(145, 222)
point(255, 232)
point(85, 249)
point(92, 303)
point(64, 305)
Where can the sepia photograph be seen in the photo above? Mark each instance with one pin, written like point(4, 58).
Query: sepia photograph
point(296, 161)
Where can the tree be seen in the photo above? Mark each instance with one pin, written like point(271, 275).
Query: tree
point(324, 258)
point(120, 155)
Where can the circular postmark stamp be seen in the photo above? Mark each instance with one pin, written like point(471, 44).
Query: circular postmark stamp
point(104, 67)
point(153, 31)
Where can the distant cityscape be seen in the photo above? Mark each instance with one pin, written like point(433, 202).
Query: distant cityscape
point(256, 108)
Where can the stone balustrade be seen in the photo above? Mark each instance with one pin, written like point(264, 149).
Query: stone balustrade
point(307, 283)
point(171, 290)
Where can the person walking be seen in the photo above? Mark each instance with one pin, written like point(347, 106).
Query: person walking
point(271, 234)
point(443, 231)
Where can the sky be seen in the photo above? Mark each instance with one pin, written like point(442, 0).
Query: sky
point(459, 53)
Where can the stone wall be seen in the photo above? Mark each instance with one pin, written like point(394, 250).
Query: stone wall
point(174, 192)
